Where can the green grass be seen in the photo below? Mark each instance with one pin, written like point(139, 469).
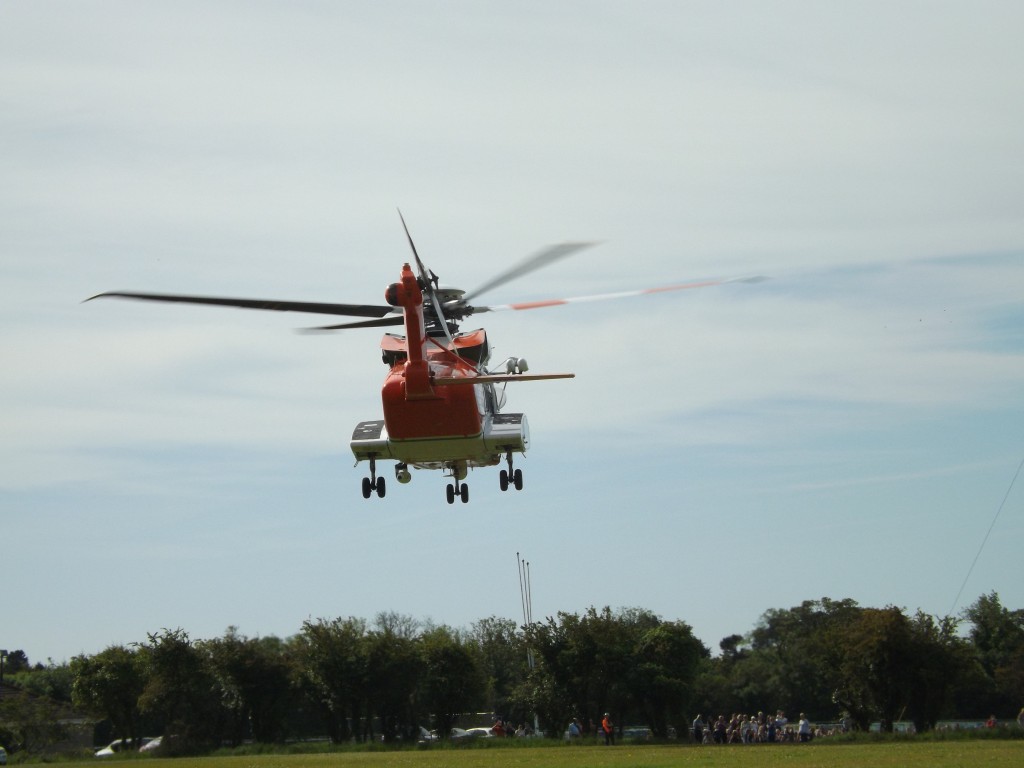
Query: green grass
point(889, 754)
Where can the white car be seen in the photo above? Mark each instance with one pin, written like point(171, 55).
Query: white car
point(472, 733)
point(121, 745)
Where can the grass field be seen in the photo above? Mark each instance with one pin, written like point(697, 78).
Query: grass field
point(903, 754)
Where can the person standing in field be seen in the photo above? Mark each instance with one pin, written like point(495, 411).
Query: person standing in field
point(608, 729)
point(699, 726)
point(804, 729)
point(719, 730)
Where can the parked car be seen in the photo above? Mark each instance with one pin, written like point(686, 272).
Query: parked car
point(3, 756)
point(121, 745)
point(472, 733)
point(152, 744)
point(636, 732)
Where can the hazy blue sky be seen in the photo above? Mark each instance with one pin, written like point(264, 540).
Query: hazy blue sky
point(847, 429)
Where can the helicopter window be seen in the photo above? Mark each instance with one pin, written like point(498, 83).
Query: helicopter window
point(484, 399)
point(392, 357)
point(495, 399)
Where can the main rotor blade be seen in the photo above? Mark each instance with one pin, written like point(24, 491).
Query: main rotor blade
point(428, 284)
point(620, 294)
point(361, 324)
point(547, 256)
point(419, 262)
point(274, 305)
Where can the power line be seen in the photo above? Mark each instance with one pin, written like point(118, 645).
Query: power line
point(985, 540)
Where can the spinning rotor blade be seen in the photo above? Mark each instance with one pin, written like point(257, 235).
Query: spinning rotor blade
point(429, 283)
point(384, 321)
point(320, 308)
point(620, 294)
point(419, 263)
point(549, 255)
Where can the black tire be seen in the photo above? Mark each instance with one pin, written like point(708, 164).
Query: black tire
point(517, 478)
point(450, 490)
point(464, 493)
point(367, 488)
point(503, 480)
point(380, 488)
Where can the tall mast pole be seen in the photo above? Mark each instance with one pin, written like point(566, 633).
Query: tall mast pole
point(526, 598)
point(522, 588)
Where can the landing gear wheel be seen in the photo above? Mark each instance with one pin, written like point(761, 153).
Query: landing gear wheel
point(451, 493)
point(464, 493)
point(510, 476)
point(373, 484)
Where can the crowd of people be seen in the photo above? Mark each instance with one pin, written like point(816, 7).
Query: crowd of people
point(505, 728)
point(753, 729)
point(738, 729)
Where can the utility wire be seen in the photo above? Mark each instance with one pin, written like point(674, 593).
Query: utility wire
point(985, 540)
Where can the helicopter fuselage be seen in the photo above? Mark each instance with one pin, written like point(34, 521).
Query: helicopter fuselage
point(431, 425)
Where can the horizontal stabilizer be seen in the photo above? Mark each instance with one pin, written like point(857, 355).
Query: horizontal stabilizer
point(499, 378)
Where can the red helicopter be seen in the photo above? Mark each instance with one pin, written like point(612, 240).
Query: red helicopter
point(442, 408)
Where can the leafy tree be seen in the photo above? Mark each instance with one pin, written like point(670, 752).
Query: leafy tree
point(254, 679)
point(16, 661)
point(731, 648)
point(503, 660)
point(895, 666)
point(541, 694)
point(667, 658)
point(29, 723)
point(942, 660)
point(110, 684)
point(713, 689)
point(54, 681)
point(333, 657)
point(796, 653)
point(822, 657)
point(627, 663)
point(998, 638)
point(997, 633)
point(394, 673)
point(876, 666)
point(452, 678)
point(560, 686)
point(182, 691)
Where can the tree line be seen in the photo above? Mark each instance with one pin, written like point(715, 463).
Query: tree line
point(351, 679)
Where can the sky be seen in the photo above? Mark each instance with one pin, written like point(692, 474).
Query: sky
point(850, 428)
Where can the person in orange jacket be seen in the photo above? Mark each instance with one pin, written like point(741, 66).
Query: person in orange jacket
point(608, 729)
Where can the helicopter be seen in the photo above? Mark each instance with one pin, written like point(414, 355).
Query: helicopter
point(442, 406)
